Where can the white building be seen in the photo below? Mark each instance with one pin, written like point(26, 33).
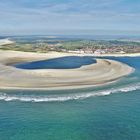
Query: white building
point(97, 52)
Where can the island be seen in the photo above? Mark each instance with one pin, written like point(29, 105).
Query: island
point(102, 72)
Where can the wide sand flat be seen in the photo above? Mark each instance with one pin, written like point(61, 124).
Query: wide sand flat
point(102, 72)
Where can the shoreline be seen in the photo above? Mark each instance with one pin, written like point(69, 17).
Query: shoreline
point(109, 54)
point(103, 72)
point(57, 54)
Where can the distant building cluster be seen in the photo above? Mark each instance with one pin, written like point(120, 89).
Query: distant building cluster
point(96, 47)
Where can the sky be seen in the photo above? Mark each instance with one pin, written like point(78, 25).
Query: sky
point(60, 16)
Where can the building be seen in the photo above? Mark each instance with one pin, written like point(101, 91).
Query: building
point(97, 52)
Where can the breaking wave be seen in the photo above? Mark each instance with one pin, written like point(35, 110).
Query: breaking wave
point(46, 98)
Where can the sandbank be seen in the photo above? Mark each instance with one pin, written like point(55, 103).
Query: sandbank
point(102, 72)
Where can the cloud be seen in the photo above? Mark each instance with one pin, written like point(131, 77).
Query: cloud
point(41, 15)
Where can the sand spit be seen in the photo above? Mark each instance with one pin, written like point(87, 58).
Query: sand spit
point(102, 72)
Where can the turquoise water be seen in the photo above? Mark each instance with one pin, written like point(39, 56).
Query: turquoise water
point(109, 112)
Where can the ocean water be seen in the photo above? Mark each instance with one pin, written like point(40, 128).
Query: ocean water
point(68, 37)
point(110, 112)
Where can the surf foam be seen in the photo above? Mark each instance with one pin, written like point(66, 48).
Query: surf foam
point(46, 98)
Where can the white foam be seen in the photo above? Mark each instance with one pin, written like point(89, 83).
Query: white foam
point(45, 98)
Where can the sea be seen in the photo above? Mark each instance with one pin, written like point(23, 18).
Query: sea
point(109, 112)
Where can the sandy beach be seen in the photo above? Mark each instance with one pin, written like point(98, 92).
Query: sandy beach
point(6, 41)
point(102, 72)
point(118, 55)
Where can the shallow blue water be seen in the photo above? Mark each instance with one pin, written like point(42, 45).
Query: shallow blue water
point(109, 112)
point(68, 62)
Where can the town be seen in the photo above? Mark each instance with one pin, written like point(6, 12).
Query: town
point(74, 46)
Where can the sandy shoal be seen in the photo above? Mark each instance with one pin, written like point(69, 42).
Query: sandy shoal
point(102, 72)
